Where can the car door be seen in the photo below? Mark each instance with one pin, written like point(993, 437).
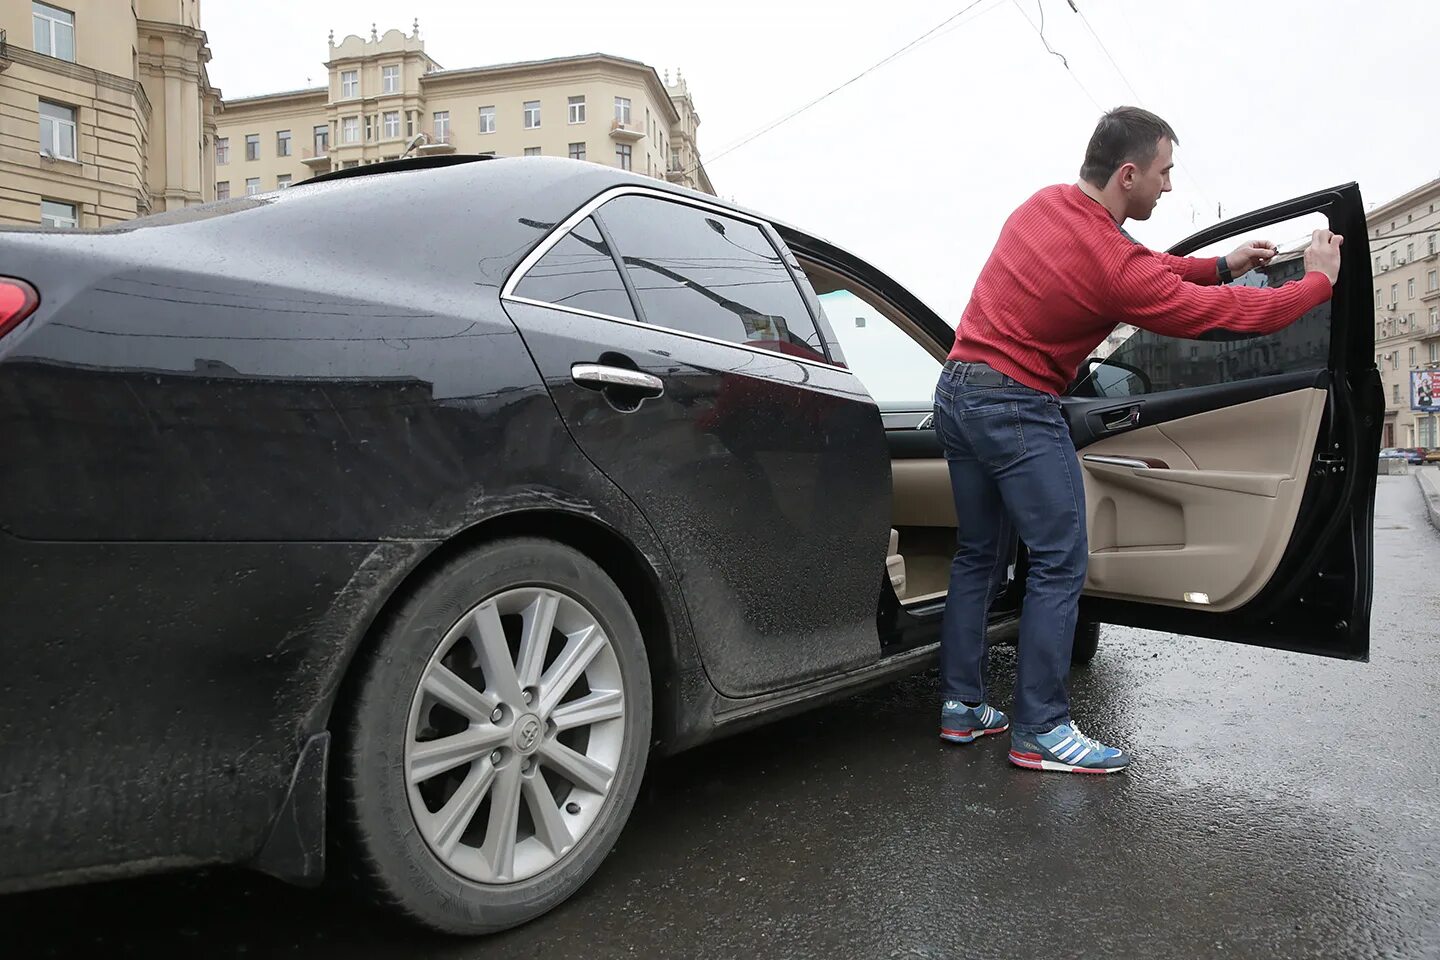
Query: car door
point(687, 363)
point(1230, 481)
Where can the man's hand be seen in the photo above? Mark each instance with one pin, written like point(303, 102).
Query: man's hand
point(1323, 254)
point(1250, 255)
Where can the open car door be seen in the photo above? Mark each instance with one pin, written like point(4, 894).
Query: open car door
point(1230, 481)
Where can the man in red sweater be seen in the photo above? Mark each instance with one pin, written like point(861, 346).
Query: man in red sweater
point(1063, 274)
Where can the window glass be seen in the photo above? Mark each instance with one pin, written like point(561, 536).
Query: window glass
point(891, 365)
point(706, 273)
point(1221, 357)
point(579, 272)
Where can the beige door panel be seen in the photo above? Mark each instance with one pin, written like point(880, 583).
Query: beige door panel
point(1214, 512)
point(922, 494)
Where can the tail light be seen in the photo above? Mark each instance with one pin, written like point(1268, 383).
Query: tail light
point(17, 301)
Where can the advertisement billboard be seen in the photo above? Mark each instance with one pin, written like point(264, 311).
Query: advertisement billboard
point(1425, 391)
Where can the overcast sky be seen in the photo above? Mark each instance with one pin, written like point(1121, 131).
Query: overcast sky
point(916, 165)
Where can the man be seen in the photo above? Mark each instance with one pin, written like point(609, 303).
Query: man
point(1062, 275)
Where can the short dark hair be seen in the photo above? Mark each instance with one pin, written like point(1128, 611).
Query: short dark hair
point(1124, 135)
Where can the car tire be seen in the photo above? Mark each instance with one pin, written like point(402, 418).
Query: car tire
point(1087, 641)
point(382, 839)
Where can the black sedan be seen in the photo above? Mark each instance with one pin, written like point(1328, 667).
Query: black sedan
point(401, 517)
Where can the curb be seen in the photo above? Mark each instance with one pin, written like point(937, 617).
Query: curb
point(1429, 482)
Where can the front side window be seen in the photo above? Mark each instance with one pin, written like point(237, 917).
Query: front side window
point(57, 130)
point(322, 139)
point(349, 84)
point(390, 79)
point(252, 146)
point(579, 272)
point(58, 216)
point(577, 109)
point(623, 156)
point(1171, 364)
point(532, 114)
point(577, 151)
point(282, 143)
point(252, 186)
point(350, 130)
point(222, 190)
point(392, 124)
point(706, 273)
point(442, 126)
point(622, 110)
point(487, 119)
point(54, 31)
point(222, 151)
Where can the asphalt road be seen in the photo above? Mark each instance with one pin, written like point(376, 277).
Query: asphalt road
point(1279, 806)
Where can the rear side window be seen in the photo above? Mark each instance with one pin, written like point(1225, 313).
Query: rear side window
point(579, 272)
point(704, 273)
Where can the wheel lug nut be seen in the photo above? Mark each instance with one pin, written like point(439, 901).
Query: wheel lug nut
point(572, 808)
point(495, 757)
point(496, 716)
point(529, 696)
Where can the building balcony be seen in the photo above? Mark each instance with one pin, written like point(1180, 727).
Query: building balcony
point(627, 132)
point(4, 53)
point(1430, 295)
point(313, 160)
point(676, 175)
point(436, 144)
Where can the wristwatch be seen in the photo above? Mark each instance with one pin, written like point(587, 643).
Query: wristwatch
point(1223, 269)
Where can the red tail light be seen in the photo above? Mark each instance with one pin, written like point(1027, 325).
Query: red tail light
point(17, 301)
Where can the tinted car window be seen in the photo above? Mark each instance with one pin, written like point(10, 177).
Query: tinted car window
point(706, 273)
point(579, 272)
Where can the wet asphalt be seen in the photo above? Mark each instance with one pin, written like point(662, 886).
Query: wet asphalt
point(1279, 806)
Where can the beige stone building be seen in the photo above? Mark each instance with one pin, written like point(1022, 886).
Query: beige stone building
point(385, 96)
point(1405, 245)
point(106, 111)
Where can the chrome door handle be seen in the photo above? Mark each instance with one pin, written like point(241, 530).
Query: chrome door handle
point(1118, 461)
point(1120, 419)
point(598, 376)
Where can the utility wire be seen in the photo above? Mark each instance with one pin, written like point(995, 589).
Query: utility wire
point(834, 90)
point(1041, 32)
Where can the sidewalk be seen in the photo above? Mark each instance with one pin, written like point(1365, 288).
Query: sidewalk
point(1429, 480)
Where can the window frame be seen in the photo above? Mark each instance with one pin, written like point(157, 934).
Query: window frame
point(252, 140)
point(531, 107)
point(487, 112)
point(572, 152)
point(259, 189)
point(626, 153)
point(320, 132)
point(440, 118)
point(386, 76)
point(73, 221)
point(385, 119)
point(577, 117)
point(346, 85)
point(627, 110)
point(55, 124)
point(284, 181)
point(348, 124)
point(222, 151)
point(53, 21)
point(284, 143)
point(593, 208)
point(218, 185)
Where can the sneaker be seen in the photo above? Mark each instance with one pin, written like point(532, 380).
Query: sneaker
point(961, 724)
point(1065, 749)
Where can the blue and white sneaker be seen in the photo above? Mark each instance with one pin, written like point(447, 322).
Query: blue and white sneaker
point(1067, 750)
point(961, 724)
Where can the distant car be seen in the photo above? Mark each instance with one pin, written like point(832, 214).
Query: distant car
point(1431, 455)
point(1408, 454)
point(417, 506)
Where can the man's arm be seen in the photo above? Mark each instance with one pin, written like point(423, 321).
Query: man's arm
point(1205, 271)
point(1145, 293)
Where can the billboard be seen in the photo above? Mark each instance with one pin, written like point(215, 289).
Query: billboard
point(1425, 391)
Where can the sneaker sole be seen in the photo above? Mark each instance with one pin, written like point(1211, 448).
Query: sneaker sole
point(1033, 761)
point(966, 736)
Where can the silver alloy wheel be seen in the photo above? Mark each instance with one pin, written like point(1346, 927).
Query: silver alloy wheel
point(516, 730)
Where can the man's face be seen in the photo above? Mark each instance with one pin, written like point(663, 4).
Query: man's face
point(1147, 185)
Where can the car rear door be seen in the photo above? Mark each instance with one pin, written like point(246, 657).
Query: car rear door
point(1230, 481)
point(686, 361)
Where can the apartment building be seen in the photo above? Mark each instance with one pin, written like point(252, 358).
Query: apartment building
point(386, 98)
point(106, 110)
point(1405, 245)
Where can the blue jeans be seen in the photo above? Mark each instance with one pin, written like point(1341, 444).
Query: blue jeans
point(1013, 470)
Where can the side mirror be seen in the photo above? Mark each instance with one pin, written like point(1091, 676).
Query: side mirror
point(1108, 379)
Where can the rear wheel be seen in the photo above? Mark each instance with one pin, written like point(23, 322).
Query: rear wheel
point(1087, 641)
point(497, 739)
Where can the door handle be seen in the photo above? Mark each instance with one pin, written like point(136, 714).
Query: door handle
point(1120, 419)
point(633, 383)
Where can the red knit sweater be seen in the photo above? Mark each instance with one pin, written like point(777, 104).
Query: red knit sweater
point(1063, 275)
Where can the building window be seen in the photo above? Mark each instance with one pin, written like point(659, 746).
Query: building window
point(487, 119)
point(252, 146)
point(392, 124)
point(350, 130)
point(622, 156)
point(1435, 353)
point(1412, 358)
point(222, 151)
point(1395, 360)
point(532, 151)
point(282, 182)
point(54, 31)
point(622, 110)
point(1430, 250)
point(1394, 293)
point(577, 109)
point(1377, 264)
point(390, 79)
point(1377, 299)
point(409, 124)
point(282, 143)
point(442, 126)
point(349, 85)
point(675, 160)
point(222, 190)
point(1434, 319)
point(1394, 257)
point(322, 139)
point(532, 114)
point(577, 151)
point(59, 216)
point(252, 186)
point(57, 130)
point(1395, 392)
point(369, 127)
point(1409, 251)
point(1431, 284)
point(1410, 288)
